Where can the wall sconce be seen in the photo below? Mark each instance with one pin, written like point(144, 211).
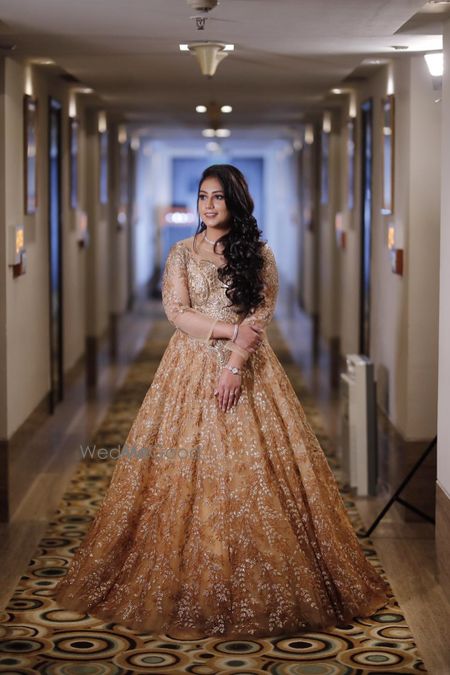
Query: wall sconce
point(102, 123)
point(396, 254)
point(17, 257)
point(435, 64)
point(82, 229)
point(309, 134)
point(341, 234)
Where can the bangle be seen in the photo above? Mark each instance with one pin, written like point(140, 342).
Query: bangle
point(236, 328)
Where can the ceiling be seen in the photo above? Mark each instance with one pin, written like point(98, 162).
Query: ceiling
point(288, 53)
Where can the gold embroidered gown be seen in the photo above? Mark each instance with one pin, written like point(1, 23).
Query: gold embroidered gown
point(220, 523)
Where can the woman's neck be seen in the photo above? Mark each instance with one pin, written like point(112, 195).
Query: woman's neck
point(214, 233)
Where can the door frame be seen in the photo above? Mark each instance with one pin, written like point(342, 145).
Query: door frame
point(55, 106)
point(366, 233)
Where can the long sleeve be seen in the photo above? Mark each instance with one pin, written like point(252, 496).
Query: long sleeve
point(264, 312)
point(176, 300)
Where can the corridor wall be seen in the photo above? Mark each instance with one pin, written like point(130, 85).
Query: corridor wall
point(26, 319)
point(443, 446)
point(404, 309)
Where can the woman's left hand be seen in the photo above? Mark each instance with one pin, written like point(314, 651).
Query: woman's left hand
point(228, 389)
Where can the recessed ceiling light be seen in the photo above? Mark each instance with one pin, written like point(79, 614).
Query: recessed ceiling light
point(184, 48)
point(212, 146)
point(84, 90)
point(208, 133)
point(228, 48)
point(226, 108)
point(201, 108)
point(336, 91)
point(223, 133)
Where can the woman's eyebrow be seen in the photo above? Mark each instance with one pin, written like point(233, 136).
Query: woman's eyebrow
point(213, 192)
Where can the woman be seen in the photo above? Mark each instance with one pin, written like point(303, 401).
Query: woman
point(223, 518)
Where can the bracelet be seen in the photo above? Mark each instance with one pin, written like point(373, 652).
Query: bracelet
point(236, 328)
point(233, 369)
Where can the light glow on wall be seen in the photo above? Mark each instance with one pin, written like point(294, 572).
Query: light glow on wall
point(72, 104)
point(122, 134)
point(352, 109)
point(435, 63)
point(390, 79)
point(28, 80)
point(102, 126)
point(309, 134)
point(326, 124)
point(391, 237)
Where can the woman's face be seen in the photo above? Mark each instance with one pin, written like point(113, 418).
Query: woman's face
point(211, 204)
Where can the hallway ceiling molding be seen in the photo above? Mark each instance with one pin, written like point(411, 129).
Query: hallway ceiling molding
point(288, 54)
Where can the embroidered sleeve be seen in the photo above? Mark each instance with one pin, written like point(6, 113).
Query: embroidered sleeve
point(176, 300)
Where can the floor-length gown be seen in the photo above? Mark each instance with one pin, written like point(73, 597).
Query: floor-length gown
point(220, 523)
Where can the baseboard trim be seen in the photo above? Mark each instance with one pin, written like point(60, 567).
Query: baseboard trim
point(443, 538)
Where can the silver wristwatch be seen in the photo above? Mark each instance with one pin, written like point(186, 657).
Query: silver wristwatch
point(233, 369)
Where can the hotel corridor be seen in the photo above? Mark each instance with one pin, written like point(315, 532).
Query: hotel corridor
point(338, 116)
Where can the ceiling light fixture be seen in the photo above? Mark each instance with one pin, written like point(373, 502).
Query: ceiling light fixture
point(208, 54)
point(336, 91)
point(226, 109)
point(201, 108)
point(220, 133)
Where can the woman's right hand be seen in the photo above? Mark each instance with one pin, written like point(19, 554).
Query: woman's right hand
point(249, 337)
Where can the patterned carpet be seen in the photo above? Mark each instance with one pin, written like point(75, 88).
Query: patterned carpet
point(39, 637)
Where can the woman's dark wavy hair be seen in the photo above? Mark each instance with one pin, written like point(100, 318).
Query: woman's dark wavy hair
point(242, 244)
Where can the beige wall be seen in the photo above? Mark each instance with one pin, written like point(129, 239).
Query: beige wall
point(423, 253)
point(87, 292)
point(443, 467)
point(118, 269)
point(329, 261)
point(27, 378)
point(404, 309)
point(3, 369)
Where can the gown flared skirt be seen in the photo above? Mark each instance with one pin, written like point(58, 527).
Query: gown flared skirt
point(221, 523)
